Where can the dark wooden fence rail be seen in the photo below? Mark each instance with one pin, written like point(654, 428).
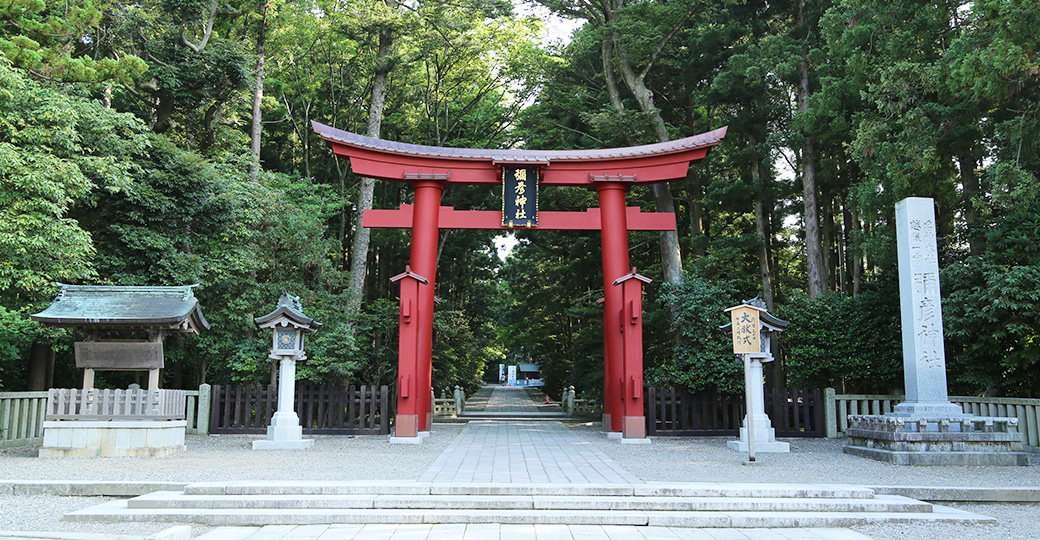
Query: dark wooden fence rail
point(796, 412)
point(676, 412)
point(242, 408)
point(323, 410)
point(343, 411)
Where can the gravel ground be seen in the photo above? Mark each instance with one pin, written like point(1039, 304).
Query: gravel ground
point(43, 513)
point(1014, 522)
point(230, 457)
point(706, 459)
point(372, 458)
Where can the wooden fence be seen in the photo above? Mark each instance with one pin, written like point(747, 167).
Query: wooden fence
point(118, 404)
point(331, 410)
point(675, 412)
point(840, 406)
point(21, 418)
point(322, 410)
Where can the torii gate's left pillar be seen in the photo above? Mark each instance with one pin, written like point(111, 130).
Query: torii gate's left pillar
point(425, 234)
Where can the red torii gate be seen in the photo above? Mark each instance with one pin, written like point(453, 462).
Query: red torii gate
point(609, 171)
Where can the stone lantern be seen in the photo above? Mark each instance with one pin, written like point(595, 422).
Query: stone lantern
point(288, 326)
point(754, 331)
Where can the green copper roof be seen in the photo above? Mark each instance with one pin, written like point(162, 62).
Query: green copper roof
point(289, 306)
point(104, 306)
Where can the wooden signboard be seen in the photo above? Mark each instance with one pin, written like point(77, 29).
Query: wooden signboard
point(746, 324)
point(119, 356)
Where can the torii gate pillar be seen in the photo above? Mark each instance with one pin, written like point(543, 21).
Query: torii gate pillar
point(614, 230)
point(425, 234)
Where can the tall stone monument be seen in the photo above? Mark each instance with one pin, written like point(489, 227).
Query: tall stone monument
point(927, 429)
point(924, 356)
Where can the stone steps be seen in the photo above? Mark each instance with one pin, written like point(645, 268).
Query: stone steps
point(167, 500)
point(667, 505)
point(654, 489)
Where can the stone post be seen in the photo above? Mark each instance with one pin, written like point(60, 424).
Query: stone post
point(764, 434)
point(924, 356)
point(285, 432)
point(205, 399)
point(830, 416)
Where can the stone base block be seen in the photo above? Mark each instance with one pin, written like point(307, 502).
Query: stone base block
point(940, 458)
point(765, 438)
point(299, 444)
point(112, 438)
point(405, 440)
point(614, 434)
point(971, 440)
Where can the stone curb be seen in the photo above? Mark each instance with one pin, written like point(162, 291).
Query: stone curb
point(180, 532)
point(963, 494)
point(85, 488)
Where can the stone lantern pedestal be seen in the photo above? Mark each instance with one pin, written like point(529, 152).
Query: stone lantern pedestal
point(289, 325)
point(285, 431)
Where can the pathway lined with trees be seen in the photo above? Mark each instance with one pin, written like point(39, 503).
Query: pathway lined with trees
point(170, 143)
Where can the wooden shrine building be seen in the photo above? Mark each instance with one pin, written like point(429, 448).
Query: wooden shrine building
point(105, 315)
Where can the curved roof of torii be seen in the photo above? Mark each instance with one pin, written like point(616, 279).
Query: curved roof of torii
point(388, 160)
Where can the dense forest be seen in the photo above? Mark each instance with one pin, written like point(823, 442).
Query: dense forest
point(168, 142)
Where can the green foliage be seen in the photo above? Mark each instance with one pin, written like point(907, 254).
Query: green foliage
point(46, 161)
point(991, 307)
point(60, 41)
point(849, 343)
point(703, 355)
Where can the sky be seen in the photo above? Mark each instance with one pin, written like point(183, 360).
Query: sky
point(557, 31)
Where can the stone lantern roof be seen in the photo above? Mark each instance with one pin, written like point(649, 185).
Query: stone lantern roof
point(289, 311)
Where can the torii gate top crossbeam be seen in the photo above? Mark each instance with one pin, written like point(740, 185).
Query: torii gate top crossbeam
point(387, 160)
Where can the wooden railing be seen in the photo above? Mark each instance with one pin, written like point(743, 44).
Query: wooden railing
point(21, 418)
point(322, 409)
point(329, 410)
point(108, 404)
point(840, 406)
point(675, 412)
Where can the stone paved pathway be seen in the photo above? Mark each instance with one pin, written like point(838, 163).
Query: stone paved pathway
point(512, 451)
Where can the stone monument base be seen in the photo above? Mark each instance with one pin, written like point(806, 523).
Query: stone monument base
point(765, 438)
point(112, 438)
point(967, 440)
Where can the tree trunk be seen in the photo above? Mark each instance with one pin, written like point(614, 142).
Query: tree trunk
point(971, 188)
point(761, 231)
point(813, 255)
point(361, 234)
point(696, 214)
point(41, 367)
point(258, 95)
point(607, 54)
point(855, 258)
point(827, 242)
point(671, 257)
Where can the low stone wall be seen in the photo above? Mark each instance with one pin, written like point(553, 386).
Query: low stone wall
point(112, 438)
point(838, 408)
point(974, 440)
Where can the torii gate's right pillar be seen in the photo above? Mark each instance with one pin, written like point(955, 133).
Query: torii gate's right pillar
point(614, 230)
